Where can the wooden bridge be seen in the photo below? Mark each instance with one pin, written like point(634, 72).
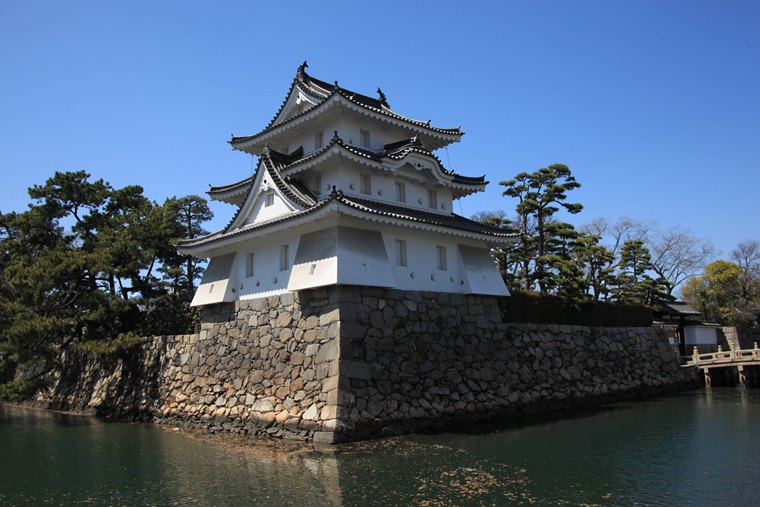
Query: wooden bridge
point(736, 358)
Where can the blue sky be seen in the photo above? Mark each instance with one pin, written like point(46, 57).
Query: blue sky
point(654, 105)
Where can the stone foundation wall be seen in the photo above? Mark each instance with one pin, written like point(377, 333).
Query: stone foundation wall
point(268, 365)
point(411, 360)
point(352, 362)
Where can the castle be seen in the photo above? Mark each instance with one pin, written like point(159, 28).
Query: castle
point(346, 192)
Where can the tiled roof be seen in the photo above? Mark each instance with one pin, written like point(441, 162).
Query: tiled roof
point(369, 207)
point(238, 185)
point(323, 91)
point(394, 151)
point(452, 221)
point(677, 308)
point(292, 188)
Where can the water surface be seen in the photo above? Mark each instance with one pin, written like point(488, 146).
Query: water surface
point(699, 448)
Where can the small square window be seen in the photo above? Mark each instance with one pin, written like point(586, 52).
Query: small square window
point(284, 257)
point(400, 252)
point(319, 139)
point(365, 184)
point(269, 199)
point(249, 265)
point(400, 191)
point(432, 199)
point(442, 263)
point(364, 138)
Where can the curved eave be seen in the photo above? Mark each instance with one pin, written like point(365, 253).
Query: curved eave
point(462, 185)
point(234, 193)
point(294, 197)
point(334, 204)
point(435, 137)
point(223, 239)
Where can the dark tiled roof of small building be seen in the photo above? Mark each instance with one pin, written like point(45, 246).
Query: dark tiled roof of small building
point(678, 308)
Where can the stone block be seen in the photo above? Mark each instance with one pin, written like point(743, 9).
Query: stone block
point(325, 437)
point(312, 413)
point(283, 319)
point(329, 412)
point(263, 405)
point(329, 317)
point(327, 352)
point(357, 370)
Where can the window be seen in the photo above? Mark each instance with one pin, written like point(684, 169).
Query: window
point(400, 192)
point(318, 189)
point(269, 199)
point(319, 139)
point(365, 184)
point(441, 252)
point(400, 252)
point(283, 257)
point(364, 138)
point(249, 265)
point(432, 199)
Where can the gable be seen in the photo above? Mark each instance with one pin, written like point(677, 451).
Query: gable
point(265, 200)
point(296, 103)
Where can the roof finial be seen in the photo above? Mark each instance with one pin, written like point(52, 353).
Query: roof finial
point(428, 122)
point(335, 134)
point(383, 100)
point(301, 74)
point(337, 86)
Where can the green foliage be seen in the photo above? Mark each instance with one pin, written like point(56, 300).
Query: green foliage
point(72, 262)
point(633, 284)
point(532, 307)
point(719, 293)
point(19, 390)
point(105, 347)
point(543, 250)
point(597, 264)
point(170, 315)
point(186, 215)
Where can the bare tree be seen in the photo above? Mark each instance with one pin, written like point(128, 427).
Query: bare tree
point(614, 235)
point(678, 255)
point(747, 256)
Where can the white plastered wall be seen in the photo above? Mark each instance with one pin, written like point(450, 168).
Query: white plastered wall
point(218, 282)
point(342, 255)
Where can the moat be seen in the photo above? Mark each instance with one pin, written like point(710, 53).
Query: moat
point(700, 447)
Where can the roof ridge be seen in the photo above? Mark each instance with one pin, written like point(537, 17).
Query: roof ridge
point(375, 105)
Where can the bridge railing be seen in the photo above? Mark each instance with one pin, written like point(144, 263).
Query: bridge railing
point(723, 356)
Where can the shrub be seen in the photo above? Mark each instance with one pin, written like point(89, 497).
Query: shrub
point(169, 315)
point(533, 308)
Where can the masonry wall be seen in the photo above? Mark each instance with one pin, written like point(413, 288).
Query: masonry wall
point(410, 360)
point(351, 362)
point(268, 365)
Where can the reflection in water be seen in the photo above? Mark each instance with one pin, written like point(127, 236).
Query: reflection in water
point(677, 450)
